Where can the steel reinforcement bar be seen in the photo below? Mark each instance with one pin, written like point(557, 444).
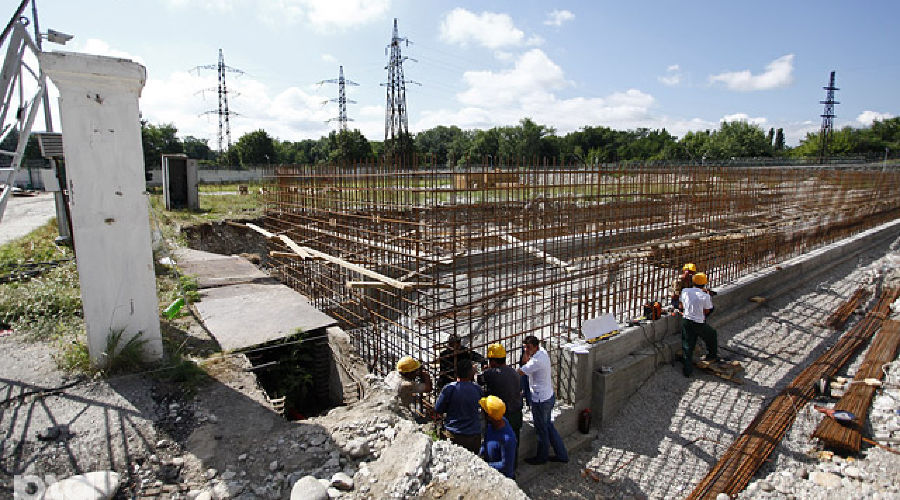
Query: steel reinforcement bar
point(495, 253)
point(858, 397)
point(732, 473)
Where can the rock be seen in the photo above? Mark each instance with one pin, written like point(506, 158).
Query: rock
point(273, 466)
point(309, 488)
point(825, 479)
point(178, 461)
point(228, 475)
point(766, 486)
point(211, 473)
point(204, 495)
point(333, 493)
point(213, 419)
point(723, 496)
point(358, 447)
point(853, 472)
point(91, 486)
point(242, 457)
point(342, 481)
point(163, 443)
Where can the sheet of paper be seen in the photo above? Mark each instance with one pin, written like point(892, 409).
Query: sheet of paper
point(596, 327)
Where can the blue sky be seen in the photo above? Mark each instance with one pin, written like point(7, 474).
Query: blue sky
point(658, 64)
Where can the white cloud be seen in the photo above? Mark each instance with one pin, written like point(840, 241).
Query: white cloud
point(101, 48)
point(672, 76)
point(558, 17)
point(528, 89)
point(489, 29)
point(289, 114)
point(323, 15)
point(744, 117)
point(779, 73)
point(329, 58)
point(867, 117)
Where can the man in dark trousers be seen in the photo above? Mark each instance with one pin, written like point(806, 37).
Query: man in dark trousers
point(697, 306)
point(501, 380)
point(451, 357)
point(458, 401)
point(537, 367)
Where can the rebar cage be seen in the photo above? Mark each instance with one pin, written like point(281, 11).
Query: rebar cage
point(493, 254)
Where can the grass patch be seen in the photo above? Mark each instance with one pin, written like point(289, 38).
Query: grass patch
point(122, 357)
point(36, 246)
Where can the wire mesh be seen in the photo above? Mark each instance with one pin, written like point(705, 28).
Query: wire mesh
point(492, 251)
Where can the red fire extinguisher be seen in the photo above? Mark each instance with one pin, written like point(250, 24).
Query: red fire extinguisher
point(584, 421)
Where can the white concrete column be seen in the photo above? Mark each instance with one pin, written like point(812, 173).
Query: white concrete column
point(98, 105)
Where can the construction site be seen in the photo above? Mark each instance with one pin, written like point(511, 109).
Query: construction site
point(262, 346)
point(408, 255)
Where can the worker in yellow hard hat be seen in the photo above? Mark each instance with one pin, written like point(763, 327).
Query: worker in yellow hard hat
point(697, 304)
point(409, 381)
point(499, 445)
point(681, 282)
point(501, 380)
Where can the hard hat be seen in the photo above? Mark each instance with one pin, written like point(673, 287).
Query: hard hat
point(690, 266)
point(407, 364)
point(493, 406)
point(496, 351)
point(700, 279)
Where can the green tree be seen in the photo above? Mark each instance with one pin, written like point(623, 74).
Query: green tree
point(779, 141)
point(437, 142)
point(738, 139)
point(348, 146)
point(158, 140)
point(253, 148)
point(197, 148)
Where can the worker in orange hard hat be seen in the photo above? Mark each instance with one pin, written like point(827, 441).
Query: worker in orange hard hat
point(409, 380)
point(698, 305)
point(681, 282)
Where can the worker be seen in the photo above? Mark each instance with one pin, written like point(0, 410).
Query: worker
point(409, 381)
point(537, 367)
point(458, 401)
point(681, 282)
point(500, 443)
point(451, 357)
point(697, 305)
point(501, 380)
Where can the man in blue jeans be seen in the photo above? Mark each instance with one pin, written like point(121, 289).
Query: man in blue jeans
point(536, 364)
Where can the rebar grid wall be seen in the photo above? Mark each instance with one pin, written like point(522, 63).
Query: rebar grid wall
point(495, 254)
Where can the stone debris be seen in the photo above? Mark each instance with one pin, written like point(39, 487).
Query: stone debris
point(99, 485)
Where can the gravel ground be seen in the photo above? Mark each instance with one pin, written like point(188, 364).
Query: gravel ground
point(24, 214)
point(674, 429)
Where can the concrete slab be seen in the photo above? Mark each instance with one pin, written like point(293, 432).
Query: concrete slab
point(213, 270)
point(245, 315)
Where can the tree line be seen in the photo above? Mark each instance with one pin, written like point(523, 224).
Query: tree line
point(533, 141)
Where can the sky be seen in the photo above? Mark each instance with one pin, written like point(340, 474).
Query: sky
point(681, 66)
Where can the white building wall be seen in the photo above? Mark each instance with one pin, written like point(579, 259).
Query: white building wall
point(98, 101)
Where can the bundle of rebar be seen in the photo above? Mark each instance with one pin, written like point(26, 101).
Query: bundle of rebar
point(839, 317)
point(858, 397)
point(733, 471)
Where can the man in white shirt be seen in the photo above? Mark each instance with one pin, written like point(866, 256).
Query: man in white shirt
point(536, 364)
point(697, 306)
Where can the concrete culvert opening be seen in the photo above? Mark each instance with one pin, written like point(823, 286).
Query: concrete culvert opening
point(296, 375)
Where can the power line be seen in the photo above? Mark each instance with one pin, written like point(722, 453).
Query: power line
point(223, 111)
point(342, 100)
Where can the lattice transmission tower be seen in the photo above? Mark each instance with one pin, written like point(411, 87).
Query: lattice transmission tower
point(342, 100)
point(827, 118)
point(396, 123)
point(223, 111)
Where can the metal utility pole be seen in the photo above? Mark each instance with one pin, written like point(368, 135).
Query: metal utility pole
point(223, 110)
point(341, 99)
point(396, 123)
point(827, 118)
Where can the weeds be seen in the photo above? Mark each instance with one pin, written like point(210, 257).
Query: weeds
point(73, 357)
point(121, 357)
